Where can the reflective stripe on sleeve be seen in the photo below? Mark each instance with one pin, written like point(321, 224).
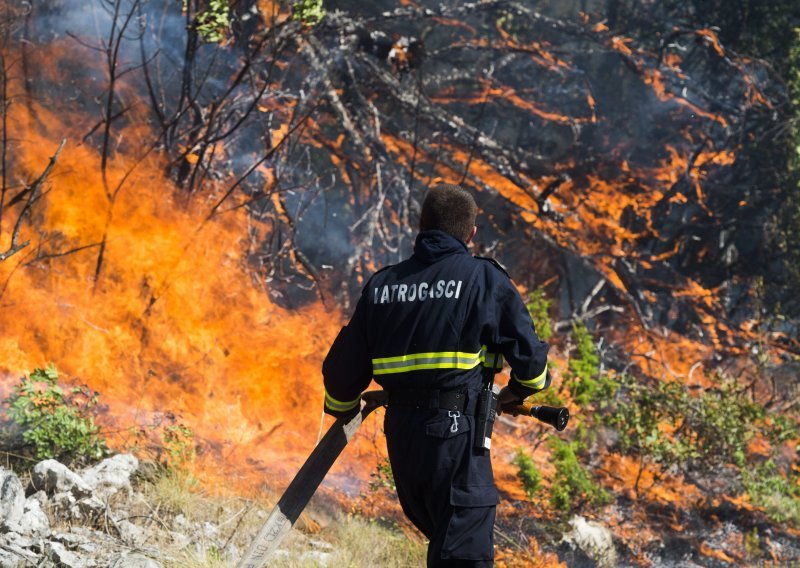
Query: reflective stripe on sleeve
point(431, 360)
point(536, 382)
point(338, 405)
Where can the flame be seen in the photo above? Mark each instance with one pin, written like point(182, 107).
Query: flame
point(174, 322)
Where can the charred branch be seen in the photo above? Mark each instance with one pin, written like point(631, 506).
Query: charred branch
point(33, 193)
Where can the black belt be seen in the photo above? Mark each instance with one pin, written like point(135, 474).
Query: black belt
point(445, 400)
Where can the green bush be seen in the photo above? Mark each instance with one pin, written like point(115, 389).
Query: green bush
point(539, 307)
point(638, 417)
point(777, 494)
point(55, 424)
point(308, 12)
point(670, 426)
point(528, 473)
point(587, 385)
point(572, 487)
point(177, 441)
point(720, 423)
point(383, 477)
point(213, 22)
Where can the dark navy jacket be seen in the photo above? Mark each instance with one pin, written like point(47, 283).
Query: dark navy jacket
point(427, 322)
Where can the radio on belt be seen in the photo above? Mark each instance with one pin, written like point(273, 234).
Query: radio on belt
point(485, 415)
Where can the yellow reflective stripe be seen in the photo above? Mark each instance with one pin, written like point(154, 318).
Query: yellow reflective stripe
point(493, 361)
point(338, 405)
point(429, 355)
point(430, 360)
point(536, 382)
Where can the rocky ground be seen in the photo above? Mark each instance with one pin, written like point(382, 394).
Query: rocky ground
point(114, 514)
point(63, 518)
point(123, 513)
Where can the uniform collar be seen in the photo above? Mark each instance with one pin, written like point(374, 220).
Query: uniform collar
point(434, 245)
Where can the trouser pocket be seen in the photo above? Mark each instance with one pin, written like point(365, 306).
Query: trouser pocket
point(470, 533)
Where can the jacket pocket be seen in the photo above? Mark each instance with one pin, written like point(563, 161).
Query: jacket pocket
point(474, 496)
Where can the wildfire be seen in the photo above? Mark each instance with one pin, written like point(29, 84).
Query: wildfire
point(151, 295)
point(174, 323)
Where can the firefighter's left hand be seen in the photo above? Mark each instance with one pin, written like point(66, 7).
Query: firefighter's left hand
point(347, 415)
point(507, 398)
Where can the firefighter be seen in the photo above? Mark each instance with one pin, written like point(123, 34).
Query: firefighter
point(424, 329)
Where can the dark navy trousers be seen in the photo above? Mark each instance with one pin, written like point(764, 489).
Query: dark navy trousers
point(446, 487)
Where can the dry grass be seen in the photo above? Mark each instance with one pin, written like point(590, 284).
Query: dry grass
point(219, 529)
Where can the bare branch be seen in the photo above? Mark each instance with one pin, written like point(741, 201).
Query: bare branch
point(33, 195)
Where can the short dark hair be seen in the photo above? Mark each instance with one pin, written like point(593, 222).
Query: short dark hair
point(449, 208)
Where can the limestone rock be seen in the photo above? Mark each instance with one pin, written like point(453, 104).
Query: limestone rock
point(594, 540)
point(54, 477)
point(63, 558)
point(111, 475)
point(12, 498)
point(132, 560)
point(34, 521)
point(131, 534)
point(15, 552)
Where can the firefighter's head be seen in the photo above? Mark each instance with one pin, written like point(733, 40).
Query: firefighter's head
point(449, 208)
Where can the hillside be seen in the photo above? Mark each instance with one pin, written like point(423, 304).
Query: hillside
point(193, 194)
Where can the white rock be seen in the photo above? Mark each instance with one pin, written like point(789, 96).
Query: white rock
point(10, 560)
point(111, 475)
point(12, 498)
point(41, 497)
point(210, 530)
point(131, 534)
point(316, 558)
point(19, 540)
point(63, 558)
point(180, 540)
point(595, 540)
point(12, 555)
point(180, 521)
point(132, 560)
point(54, 477)
point(34, 521)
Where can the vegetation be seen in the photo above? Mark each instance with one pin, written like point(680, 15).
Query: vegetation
point(308, 12)
point(55, 423)
point(666, 424)
point(528, 473)
point(587, 385)
point(776, 492)
point(212, 22)
point(539, 307)
point(382, 476)
point(572, 487)
point(790, 244)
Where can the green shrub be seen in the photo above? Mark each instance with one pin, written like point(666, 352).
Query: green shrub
point(528, 473)
point(670, 426)
point(382, 477)
point(585, 382)
point(719, 424)
point(777, 494)
point(178, 445)
point(572, 487)
point(55, 424)
point(213, 22)
point(639, 415)
point(308, 12)
point(539, 307)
